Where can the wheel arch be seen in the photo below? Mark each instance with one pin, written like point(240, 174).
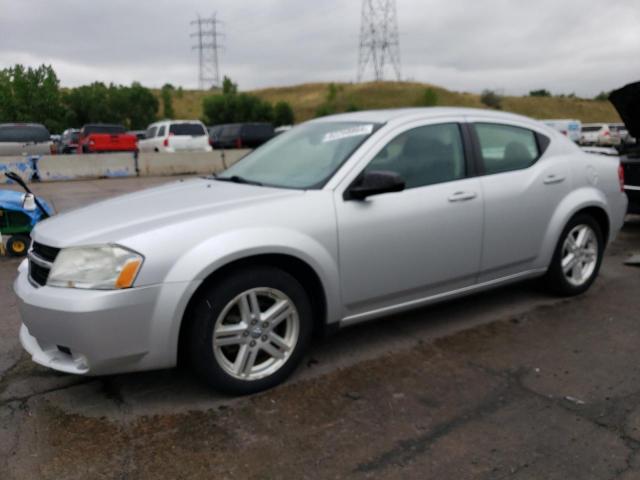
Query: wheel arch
point(296, 267)
point(586, 200)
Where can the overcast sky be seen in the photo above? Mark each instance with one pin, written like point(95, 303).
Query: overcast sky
point(581, 46)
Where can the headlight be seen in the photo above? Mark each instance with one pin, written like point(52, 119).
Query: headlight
point(103, 267)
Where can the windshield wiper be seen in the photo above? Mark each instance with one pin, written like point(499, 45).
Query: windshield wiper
point(237, 179)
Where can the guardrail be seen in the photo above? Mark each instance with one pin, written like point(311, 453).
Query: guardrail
point(50, 168)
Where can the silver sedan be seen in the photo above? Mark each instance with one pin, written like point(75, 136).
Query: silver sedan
point(338, 221)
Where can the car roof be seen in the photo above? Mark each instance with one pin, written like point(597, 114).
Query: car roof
point(386, 116)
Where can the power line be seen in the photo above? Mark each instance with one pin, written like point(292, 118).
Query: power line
point(379, 38)
point(207, 45)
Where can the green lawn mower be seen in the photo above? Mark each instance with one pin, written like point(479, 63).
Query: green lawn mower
point(19, 213)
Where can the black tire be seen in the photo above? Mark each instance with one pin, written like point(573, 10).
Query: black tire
point(555, 279)
point(18, 245)
point(211, 303)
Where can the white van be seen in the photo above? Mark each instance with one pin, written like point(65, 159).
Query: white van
point(172, 136)
point(570, 128)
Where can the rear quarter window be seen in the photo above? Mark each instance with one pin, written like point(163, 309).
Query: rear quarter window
point(257, 131)
point(506, 148)
point(187, 129)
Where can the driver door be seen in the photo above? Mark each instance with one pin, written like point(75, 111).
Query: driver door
point(398, 249)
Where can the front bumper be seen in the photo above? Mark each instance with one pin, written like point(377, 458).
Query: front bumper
point(91, 332)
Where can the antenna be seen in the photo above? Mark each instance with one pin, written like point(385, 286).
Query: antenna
point(379, 39)
point(207, 45)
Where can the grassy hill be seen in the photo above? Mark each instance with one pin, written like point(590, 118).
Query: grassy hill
point(306, 98)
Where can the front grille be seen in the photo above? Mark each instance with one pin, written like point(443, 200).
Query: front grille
point(38, 273)
point(40, 260)
point(44, 252)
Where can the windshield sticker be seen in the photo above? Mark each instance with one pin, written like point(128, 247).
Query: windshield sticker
point(358, 131)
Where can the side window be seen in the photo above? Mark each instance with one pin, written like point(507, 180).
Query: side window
point(161, 131)
point(505, 148)
point(424, 156)
point(151, 132)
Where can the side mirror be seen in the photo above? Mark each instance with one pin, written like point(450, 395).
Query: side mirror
point(374, 182)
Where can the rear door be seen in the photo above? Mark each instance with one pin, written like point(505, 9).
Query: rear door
point(400, 248)
point(522, 187)
point(188, 136)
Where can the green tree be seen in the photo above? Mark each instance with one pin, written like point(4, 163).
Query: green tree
point(167, 101)
point(283, 114)
point(429, 98)
point(31, 95)
point(233, 107)
point(540, 93)
point(491, 99)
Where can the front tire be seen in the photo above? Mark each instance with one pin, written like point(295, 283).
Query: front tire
point(577, 258)
point(250, 330)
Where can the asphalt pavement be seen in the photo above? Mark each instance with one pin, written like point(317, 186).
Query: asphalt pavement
point(511, 383)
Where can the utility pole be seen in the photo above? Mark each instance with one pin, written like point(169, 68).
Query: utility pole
point(379, 38)
point(206, 35)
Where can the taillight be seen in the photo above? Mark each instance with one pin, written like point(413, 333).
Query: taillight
point(238, 143)
point(166, 142)
point(606, 133)
point(621, 177)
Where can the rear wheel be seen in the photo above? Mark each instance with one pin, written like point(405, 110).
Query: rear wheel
point(577, 258)
point(18, 245)
point(250, 330)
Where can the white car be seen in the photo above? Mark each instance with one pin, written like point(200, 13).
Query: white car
point(570, 128)
point(599, 134)
point(172, 136)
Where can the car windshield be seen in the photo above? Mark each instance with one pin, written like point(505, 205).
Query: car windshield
point(306, 157)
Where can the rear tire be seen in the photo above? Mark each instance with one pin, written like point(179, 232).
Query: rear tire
point(577, 257)
point(249, 330)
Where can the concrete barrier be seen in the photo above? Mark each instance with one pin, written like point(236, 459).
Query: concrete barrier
point(78, 167)
point(23, 166)
point(200, 163)
point(49, 168)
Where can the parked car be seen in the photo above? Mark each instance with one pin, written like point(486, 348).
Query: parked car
point(69, 141)
point(621, 134)
point(244, 135)
point(102, 137)
point(25, 139)
point(172, 136)
point(598, 134)
point(214, 134)
point(343, 219)
point(626, 100)
point(139, 134)
point(572, 129)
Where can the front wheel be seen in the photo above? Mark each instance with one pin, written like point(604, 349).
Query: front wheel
point(250, 329)
point(577, 258)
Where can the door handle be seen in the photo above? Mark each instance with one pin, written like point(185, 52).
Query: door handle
point(462, 196)
point(551, 179)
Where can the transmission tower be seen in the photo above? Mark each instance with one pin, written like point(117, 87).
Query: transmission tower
point(379, 39)
point(206, 35)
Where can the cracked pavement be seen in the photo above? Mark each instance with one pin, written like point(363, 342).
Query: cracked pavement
point(511, 383)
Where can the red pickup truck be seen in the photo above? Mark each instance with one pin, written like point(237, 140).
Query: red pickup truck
point(99, 138)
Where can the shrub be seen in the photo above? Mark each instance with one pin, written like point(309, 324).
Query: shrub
point(491, 99)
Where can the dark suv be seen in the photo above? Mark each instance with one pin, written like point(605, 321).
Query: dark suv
point(242, 135)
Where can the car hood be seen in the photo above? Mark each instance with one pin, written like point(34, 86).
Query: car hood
point(626, 100)
point(113, 220)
